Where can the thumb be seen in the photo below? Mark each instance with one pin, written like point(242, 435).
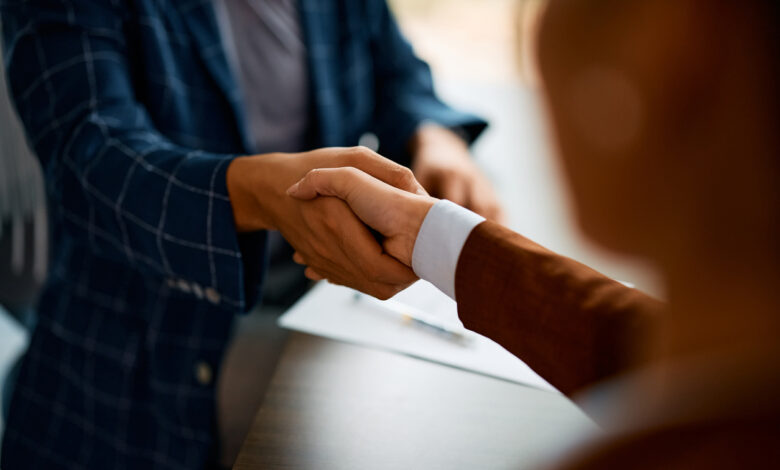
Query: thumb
point(336, 182)
point(388, 172)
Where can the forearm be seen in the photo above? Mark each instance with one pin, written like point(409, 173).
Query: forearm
point(134, 197)
point(258, 184)
point(245, 194)
point(569, 323)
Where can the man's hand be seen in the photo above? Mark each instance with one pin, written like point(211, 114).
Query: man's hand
point(325, 233)
point(335, 245)
point(396, 214)
point(257, 184)
point(442, 164)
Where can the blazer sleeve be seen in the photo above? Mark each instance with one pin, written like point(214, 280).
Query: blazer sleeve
point(569, 323)
point(405, 96)
point(114, 182)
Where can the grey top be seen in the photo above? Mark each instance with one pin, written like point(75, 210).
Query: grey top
point(267, 54)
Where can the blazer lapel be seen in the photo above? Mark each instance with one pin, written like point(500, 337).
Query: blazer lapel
point(200, 18)
point(319, 21)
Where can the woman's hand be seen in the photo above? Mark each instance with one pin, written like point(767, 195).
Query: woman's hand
point(442, 164)
point(326, 233)
point(395, 213)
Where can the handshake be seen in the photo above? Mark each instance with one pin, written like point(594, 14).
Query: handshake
point(325, 202)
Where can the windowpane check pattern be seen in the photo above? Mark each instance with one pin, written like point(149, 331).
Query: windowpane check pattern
point(134, 114)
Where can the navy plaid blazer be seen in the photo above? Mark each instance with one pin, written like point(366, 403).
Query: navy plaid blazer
point(133, 112)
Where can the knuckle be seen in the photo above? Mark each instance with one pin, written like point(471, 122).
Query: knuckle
point(407, 177)
point(364, 151)
point(356, 154)
point(397, 175)
point(313, 174)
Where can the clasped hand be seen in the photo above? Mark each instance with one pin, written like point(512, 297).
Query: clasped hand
point(326, 234)
point(394, 212)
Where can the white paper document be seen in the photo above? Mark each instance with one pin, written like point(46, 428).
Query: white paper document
point(431, 332)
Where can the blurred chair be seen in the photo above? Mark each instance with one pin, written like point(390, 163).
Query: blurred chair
point(23, 228)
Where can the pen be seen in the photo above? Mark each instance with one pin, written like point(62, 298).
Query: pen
point(412, 316)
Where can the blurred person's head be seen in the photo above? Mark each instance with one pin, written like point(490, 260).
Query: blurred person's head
point(666, 115)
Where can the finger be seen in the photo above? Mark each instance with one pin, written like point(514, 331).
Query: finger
point(338, 182)
point(378, 290)
point(386, 272)
point(385, 291)
point(356, 243)
point(391, 271)
point(376, 264)
point(400, 248)
point(298, 259)
point(386, 170)
point(374, 288)
point(345, 251)
point(313, 275)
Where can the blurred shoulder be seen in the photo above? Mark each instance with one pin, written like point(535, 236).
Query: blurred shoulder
point(733, 443)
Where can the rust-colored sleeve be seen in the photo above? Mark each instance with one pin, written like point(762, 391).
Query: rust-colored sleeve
point(569, 323)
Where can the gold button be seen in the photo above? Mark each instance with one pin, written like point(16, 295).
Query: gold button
point(203, 373)
point(212, 295)
point(184, 286)
point(197, 290)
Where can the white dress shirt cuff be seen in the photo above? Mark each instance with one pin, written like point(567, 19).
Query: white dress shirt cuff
point(442, 235)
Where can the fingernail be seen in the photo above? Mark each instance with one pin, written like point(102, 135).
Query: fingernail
point(293, 189)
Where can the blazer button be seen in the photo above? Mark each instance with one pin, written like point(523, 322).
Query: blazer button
point(203, 373)
point(197, 290)
point(184, 286)
point(212, 295)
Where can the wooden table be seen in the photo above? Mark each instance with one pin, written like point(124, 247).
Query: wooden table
point(333, 405)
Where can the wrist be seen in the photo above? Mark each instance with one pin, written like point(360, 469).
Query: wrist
point(248, 193)
point(418, 208)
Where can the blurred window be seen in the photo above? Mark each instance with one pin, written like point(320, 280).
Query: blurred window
point(472, 40)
